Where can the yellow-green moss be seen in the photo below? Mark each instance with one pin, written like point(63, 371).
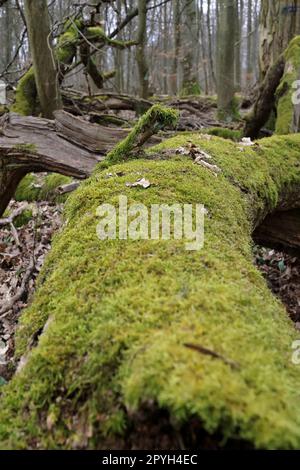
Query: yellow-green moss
point(285, 90)
point(156, 118)
point(26, 101)
point(34, 188)
point(190, 88)
point(121, 311)
point(225, 133)
point(67, 42)
point(23, 218)
point(96, 34)
point(231, 113)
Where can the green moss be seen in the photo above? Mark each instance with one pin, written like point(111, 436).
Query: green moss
point(26, 102)
point(34, 188)
point(120, 312)
point(67, 42)
point(23, 218)
point(225, 133)
point(156, 118)
point(96, 34)
point(231, 113)
point(3, 110)
point(25, 147)
point(189, 88)
point(285, 90)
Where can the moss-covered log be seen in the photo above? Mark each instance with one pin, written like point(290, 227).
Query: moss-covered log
point(118, 327)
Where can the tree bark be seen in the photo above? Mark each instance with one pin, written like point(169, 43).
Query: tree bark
point(279, 23)
point(68, 145)
point(141, 52)
point(38, 24)
point(226, 38)
point(265, 102)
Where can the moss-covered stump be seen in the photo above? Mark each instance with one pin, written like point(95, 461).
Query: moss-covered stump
point(116, 315)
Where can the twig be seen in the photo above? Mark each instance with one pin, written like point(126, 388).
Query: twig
point(5, 309)
point(10, 221)
point(209, 352)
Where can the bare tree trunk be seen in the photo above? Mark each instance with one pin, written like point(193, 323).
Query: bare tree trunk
point(141, 54)
point(38, 23)
point(210, 51)
point(238, 46)
point(226, 36)
point(249, 75)
point(177, 36)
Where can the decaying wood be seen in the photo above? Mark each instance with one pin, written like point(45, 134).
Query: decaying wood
point(67, 188)
point(280, 230)
point(266, 99)
point(195, 112)
point(67, 145)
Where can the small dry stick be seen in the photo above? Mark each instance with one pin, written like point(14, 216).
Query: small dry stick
point(209, 352)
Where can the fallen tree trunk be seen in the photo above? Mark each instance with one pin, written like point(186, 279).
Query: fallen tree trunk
point(195, 112)
point(67, 145)
point(137, 337)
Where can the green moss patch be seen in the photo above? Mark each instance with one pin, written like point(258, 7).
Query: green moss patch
point(34, 188)
point(26, 102)
point(225, 133)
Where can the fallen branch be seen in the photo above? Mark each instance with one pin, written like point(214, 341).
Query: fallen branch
point(67, 188)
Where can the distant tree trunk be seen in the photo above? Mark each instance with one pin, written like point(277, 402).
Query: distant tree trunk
point(238, 46)
point(119, 54)
point(177, 35)
point(141, 54)
point(190, 84)
point(249, 75)
point(210, 51)
point(38, 23)
point(8, 38)
point(165, 44)
point(279, 23)
point(203, 48)
point(226, 37)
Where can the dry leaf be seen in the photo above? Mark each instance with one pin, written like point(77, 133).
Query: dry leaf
point(141, 182)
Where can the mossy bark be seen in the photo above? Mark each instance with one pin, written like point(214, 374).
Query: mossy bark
point(38, 26)
point(116, 315)
point(278, 93)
